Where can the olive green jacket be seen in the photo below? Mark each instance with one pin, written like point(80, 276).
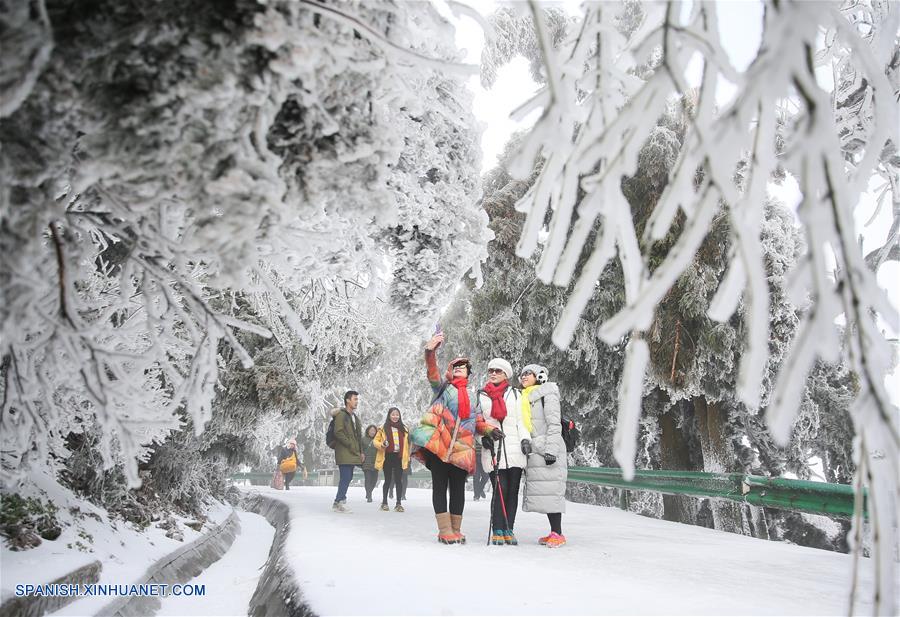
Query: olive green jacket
point(348, 435)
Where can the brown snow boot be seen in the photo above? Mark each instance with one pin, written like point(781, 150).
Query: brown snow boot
point(456, 525)
point(445, 531)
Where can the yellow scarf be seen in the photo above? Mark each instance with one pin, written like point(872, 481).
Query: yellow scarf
point(526, 408)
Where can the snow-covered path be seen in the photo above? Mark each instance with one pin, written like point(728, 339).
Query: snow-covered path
point(387, 563)
point(231, 581)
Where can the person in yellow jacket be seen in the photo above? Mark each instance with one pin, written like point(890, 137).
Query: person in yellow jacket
point(289, 462)
point(392, 443)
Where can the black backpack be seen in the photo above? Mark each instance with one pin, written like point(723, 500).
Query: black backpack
point(570, 434)
point(330, 441)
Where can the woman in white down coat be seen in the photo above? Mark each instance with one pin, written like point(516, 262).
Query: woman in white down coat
point(546, 473)
point(501, 416)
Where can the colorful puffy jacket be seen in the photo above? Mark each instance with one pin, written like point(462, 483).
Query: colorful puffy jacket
point(435, 430)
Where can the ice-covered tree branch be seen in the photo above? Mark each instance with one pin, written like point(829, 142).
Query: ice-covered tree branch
point(834, 144)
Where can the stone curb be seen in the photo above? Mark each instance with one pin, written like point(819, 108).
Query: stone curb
point(179, 566)
point(277, 592)
point(35, 606)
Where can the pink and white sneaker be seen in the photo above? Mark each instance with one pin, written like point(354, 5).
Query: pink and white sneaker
point(555, 540)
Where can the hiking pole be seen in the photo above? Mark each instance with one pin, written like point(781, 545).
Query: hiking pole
point(498, 489)
point(488, 443)
point(500, 449)
point(508, 471)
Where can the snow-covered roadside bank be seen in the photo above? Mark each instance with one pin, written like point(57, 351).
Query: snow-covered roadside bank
point(278, 592)
point(230, 582)
point(89, 535)
point(615, 563)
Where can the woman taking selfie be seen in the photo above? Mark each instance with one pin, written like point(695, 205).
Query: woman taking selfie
point(444, 440)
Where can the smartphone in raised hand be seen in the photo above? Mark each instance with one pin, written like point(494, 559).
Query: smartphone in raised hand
point(438, 329)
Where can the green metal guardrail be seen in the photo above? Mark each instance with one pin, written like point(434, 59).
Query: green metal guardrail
point(781, 493)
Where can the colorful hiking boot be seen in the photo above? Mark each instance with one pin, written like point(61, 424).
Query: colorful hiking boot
point(399, 508)
point(385, 508)
point(556, 540)
point(543, 541)
point(498, 537)
point(448, 538)
point(510, 537)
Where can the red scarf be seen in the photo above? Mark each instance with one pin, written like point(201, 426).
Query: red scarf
point(389, 433)
point(498, 405)
point(462, 395)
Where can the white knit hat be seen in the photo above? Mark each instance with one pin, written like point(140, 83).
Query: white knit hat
point(540, 373)
point(503, 365)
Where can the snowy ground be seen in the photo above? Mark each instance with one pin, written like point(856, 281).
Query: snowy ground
point(89, 535)
point(231, 581)
point(615, 563)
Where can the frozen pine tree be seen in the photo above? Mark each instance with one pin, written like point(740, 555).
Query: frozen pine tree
point(594, 121)
point(162, 171)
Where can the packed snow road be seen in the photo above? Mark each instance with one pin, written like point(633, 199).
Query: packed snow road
point(371, 562)
point(230, 582)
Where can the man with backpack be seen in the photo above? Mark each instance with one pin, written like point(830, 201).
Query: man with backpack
point(347, 444)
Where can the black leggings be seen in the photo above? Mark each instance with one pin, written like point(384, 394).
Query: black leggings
point(445, 476)
point(510, 479)
point(393, 472)
point(288, 477)
point(555, 522)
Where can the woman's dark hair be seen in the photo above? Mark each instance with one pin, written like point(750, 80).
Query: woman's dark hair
point(366, 433)
point(387, 419)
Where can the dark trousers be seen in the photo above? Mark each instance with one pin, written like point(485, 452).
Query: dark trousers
point(480, 479)
point(555, 522)
point(287, 478)
point(509, 481)
point(404, 482)
point(446, 477)
point(393, 473)
point(344, 482)
point(371, 476)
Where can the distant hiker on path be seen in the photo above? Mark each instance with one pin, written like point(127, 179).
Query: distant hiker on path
point(501, 411)
point(371, 453)
point(288, 462)
point(445, 440)
point(545, 476)
point(348, 450)
point(392, 442)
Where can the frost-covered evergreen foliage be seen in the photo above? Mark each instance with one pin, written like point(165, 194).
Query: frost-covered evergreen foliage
point(594, 122)
point(187, 191)
point(511, 314)
point(514, 35)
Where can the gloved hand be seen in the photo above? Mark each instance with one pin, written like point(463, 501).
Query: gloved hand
point(526, 447)
point(497, 434)
point(549, 459)
point(488, 443)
